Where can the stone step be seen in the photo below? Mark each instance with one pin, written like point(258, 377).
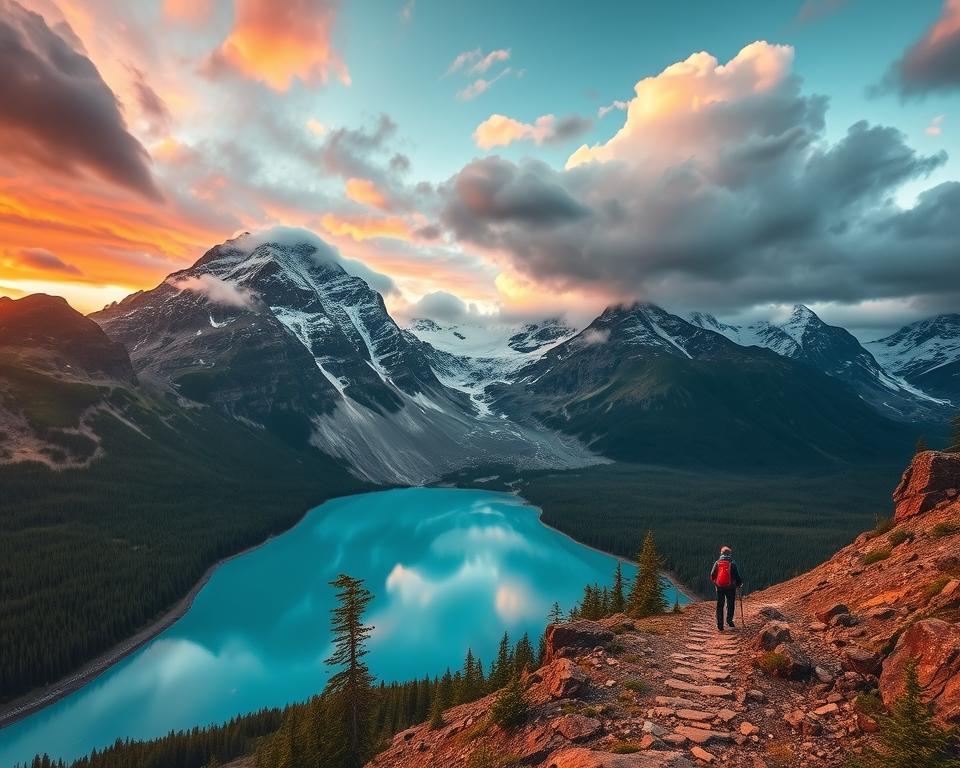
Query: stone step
point(711, 674)
point(701, 754)
point(674, 701)
point(697, 715)
point(701, 735)
point(703, 690)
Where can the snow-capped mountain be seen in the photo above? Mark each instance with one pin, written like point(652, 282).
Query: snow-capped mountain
point(836, 352)
point(641, 384)
point(470, 356)
point(926, 354)
point(273, 330)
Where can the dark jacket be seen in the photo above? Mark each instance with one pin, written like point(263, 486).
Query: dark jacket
point(734, 571)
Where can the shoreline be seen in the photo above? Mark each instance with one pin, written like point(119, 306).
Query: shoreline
point(682, 588)
point(40, 698)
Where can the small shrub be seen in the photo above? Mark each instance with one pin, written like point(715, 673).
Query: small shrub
point(773, 663)
point(868, 704)
point(632, 658)
point(636, 685)
point(909, 737)
point(625, 748)
point(884, 525)
point(876, 555)
point(590, 711)
point(615, 647)
point(478, 730)
point(946, 528)
point(780, 756)
point(510, 707)
point(935, 587)
point(899, 536)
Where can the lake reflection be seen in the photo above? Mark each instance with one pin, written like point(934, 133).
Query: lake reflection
point(450, 569)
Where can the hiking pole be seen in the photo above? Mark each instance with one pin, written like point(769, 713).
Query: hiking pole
point(742, 622)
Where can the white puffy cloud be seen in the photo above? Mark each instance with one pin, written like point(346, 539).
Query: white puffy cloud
point(216, 291)
point(500, 130)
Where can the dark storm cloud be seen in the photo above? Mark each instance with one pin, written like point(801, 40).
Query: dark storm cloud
point(932, 63)
point(42, 259)
point(56, 110)
point(153, 107)
point(778, 217)
point(569, 128)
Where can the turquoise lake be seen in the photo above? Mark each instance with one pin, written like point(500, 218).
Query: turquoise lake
point(451, 569)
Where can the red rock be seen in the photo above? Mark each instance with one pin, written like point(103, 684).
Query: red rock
point(936, 646)
point(577, 727)
point(563, 679)
point(702, 754)
point(863, 661)
point(566, 639)
point(835, 610)
point(925, 483)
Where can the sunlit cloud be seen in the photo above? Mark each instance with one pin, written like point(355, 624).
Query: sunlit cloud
point(188, 11)
point(501, 131)
point(365, 192)
point(935, 128)
point(278, 44)
point(932, 63)
point(367, 227)
point(481, 85)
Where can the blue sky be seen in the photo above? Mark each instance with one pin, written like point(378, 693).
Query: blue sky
point(740, 180)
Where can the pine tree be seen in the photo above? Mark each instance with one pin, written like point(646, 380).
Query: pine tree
point(436, 714)
point(909, 737)
point(502, 667)
point(510, 707)
point(556, 614)
point(646, 594)
point(921, 445)
point(618, 602)
point(350, 690)
point(542, 650)
point(523, 657)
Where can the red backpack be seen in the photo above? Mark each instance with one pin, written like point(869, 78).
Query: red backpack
point(724, 578)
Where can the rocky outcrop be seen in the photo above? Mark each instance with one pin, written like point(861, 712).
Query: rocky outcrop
point(935, 645)
point(932, 478)
point(562, 679)
point(575, 636)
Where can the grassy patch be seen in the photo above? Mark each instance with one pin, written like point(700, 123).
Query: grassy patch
point(946, 528)
point(884, 525)
point(899, 536)
point(868, 704)
point(773, 663)
point(625, 747)
point(876, 555)
point(636, 685)
point(935, 587)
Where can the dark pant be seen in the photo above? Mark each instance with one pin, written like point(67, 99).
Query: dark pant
point(728, 595)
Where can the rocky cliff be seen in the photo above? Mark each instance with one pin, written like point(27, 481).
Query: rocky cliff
point(799, 683)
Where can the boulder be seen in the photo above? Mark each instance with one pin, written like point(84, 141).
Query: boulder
point(579, 757)
point(771, 614)
point(863, 661)
point(799, 666)
point(563, 679)
point(577, 727)
point(834, 610)
point(926, 483)
point(576, 636)
point(772, 634)
point(935, 644)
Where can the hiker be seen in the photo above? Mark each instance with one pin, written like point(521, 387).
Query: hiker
point(726, 578)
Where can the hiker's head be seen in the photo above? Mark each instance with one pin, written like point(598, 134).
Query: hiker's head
point(726, 550)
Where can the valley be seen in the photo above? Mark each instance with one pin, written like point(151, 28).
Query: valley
point(184, 424)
